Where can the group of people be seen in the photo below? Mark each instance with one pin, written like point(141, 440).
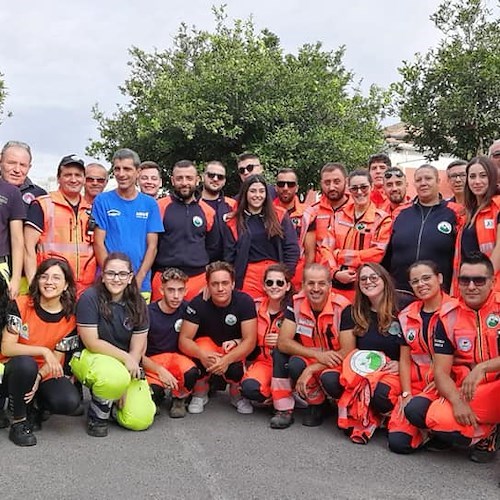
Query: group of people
point(385, 307)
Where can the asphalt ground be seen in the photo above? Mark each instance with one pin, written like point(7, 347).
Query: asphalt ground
point(221, 454)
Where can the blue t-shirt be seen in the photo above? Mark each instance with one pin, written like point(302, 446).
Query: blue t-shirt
point(127, 224)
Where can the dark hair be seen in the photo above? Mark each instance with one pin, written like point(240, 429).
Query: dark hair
point(331, 167)
point(4, 301)
point(215, 162)
point(379, 158)
point(456, 163)
point(247, 156)
point(270, 219)
point(219, 265)
point(150, 164)
point(472, 207)
point(68, 297)
point(474, 258)
point(360, 172)
point(172, 273)
point(429, 263)
point(183, 164)
point(361, 308)
point(286, 170)
point(281, 268)
point(135, 305)
point(430, 167)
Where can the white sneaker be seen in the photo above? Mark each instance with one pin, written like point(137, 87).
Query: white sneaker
point(197, 404)
point(243, 406)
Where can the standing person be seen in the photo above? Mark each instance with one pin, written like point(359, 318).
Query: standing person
point(166, 368)
point(256, 384)
point(316, 334)
point(40, 329)
point(318, 219)
point(57, 225)
point(415, 361)
point(377, 165)
point(494, 155)
point(112, 320)
point(424, 231)
point(219, 333)
point(214, 180)
point(258, 235)
point(360, 233)
point(467, 364)
point(124, 212)
point(96, 179)
point(190, 237)
point(15, 163)
point(149, 179)
point(482, 215)
point(395, 185)
point(457, 178)
point(378, 339)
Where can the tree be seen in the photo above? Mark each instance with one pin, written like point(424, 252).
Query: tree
point(3, 95)
point(449, 97)
point(215, 95)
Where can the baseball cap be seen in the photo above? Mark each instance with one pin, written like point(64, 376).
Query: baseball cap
point(71, 160)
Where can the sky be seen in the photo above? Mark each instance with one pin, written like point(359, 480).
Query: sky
point(61, 57)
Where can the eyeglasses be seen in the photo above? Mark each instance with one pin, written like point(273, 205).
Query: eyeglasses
point(248, 168)
point(282, 184)
point(99, 180)
point(270, 283)
point(54, 279)
point(389, 173)
point(455, 177)
point(425, 278)
point(372, 278)
point(213, 175)
point(478, 281)
point(363, 188)
point(121, 275)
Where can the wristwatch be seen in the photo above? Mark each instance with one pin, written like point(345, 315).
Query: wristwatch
point(405, 394)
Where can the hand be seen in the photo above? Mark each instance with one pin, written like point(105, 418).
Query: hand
point(463, 413)
point(167, 379)
point(431, 386)
point(139, 278)
point(13, 289)
point(28, 397)
point(271, 339)
point(329, 358)
point(402, 404)
point(132, 366)
point(205, 293)
point(301, 384)
point(208, 358)
point(219, 367)
point(391, 367)
point(345, 276)
point(470, 383)
point(229, 345)
point(53, 365)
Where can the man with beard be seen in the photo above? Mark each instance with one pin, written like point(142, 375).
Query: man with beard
point(318, 219)
point(395, 185)
point(191, 238)
point(127, 221)
point(214, 180)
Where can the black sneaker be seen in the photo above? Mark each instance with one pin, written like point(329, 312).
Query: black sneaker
point(485, 450)
point(34, 418)
point(313, 416)
point(97, 427)
point(437, 445)
point(281, 419)
point(4, 419)
point(21, 434)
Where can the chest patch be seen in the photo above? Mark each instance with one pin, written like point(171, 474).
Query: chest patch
point(444, 227)
point(230, 320)
point(464, 344)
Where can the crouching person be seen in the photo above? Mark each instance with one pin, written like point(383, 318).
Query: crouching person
point(112, 320)
point(219, 333)
point(167, 369)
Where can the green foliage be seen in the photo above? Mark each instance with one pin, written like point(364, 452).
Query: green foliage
point(216, 95)
point(450, 96)
point(3, 95)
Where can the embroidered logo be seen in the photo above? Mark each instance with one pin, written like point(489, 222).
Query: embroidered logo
point(444, 227)
point(197, 221)
point(464, 344)
point(492, 320)
point(411, 335)
point(177, 325)
point(230, 320)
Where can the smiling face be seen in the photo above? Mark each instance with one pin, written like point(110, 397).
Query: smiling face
point(14, 165)
point(371, 284)
point(256, 196)
point(149, 181)
point(248, 167)
point(475, 293)
point(275, 285)
point(317, 285)
point(478, 181)
point(71, 180)
point(395, 188)
point(425, 283)
point(126, 174)
point(286, 187)
point(185, 180)
point(96, 178)
point(52, 283)
point(116, 276)
point(214, 178)
point(360, 189)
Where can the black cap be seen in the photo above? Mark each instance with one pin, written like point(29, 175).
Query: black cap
point(72, 160)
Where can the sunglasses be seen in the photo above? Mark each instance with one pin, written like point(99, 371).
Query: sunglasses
point(248, 168)
point(372, 277)
point(476, 280)
point(99, 180)
point(282, 184)
point(389, 173)
point(363, 188)
point(270, 283)
point(213, 175)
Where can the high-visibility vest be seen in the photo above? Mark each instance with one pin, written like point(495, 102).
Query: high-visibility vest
point(68, 236)
point(265, 325)
point(295, 214)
